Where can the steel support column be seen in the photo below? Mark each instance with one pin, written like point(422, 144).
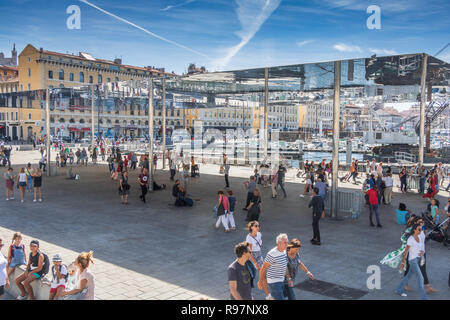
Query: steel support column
point(92, 118)
point(422, 107)
point(163, 121)
point(150, 132)
point(335, 155)
point(266, 110)
point(47, 126)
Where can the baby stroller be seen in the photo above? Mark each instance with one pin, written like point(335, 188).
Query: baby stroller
point(438, 232)
point(195, 171)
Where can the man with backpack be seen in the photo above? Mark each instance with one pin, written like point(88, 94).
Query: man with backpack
point(37, 267)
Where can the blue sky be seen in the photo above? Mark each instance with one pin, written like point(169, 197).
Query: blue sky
point(227, 34)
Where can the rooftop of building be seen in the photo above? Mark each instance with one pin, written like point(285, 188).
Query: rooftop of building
point(88, 57)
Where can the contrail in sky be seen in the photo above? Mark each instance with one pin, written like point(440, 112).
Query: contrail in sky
point(145, 30)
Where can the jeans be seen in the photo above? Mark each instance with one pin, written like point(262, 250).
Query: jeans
point(280, 183)
point(172, 173)
point(144, 189)
point(374, 207)
point(276, 290)
point(403, 185)
point(413, 269)
point(423, 269)
point(315, 225)
point(289, 292)
point(422, 185)
point(226, 181)
point(29, 183)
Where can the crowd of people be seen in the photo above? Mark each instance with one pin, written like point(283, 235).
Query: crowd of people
point(27, 180)
point(275, 274)
point(72, 282)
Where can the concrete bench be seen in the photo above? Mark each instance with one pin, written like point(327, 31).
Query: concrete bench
point(41, 287)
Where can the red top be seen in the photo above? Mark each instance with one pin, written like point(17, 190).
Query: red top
point(224, 201)
point(373, 196)
point(125, 162)
point(143, 178)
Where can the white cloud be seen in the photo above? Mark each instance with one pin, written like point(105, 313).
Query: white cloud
point(342, 47)
point(383, 51)
point(177, 5)
point(303, 43)
point(251, 14)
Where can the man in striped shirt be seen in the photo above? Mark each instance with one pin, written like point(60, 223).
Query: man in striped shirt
point(274, 269)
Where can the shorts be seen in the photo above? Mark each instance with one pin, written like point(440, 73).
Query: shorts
point(37, 275)
point(14, 264)
point(258, 258)
point(22, 184)
point(53, 290)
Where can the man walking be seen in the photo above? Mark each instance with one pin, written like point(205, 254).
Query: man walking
point(251, 187)
point(389, 183)
point(281, 173)
point(143, 181)
point(239, 276)
point(274, 269)
point(373, 205)
point(227, 171)
point(318, 212)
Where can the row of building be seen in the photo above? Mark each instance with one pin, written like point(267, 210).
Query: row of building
point(24, 77)
point(22, 113)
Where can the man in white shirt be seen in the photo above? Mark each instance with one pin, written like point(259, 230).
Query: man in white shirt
point(389, 183)
point(274, 269)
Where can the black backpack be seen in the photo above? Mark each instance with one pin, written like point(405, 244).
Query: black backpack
point(46, 265)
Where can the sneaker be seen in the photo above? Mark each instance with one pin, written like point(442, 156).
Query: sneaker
point(40, 200)
point(34, 200)
point(302, 196)
point(7, 199)
point(372, 225)
point(401, 294)
point(379, 226)
point(21, 201)
point(11, 198)
point(19, 297)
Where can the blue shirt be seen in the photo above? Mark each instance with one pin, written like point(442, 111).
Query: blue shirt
point(232, 201)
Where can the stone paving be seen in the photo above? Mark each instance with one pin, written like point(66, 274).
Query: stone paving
point(158, 251)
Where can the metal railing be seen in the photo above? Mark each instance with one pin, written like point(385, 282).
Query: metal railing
point(349, 202)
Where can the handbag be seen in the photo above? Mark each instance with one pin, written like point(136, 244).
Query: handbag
point(220, 210)
point(221, 170)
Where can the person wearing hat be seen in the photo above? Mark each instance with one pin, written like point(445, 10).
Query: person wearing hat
point(294, 263)
point(33, 271)
point(60, 274)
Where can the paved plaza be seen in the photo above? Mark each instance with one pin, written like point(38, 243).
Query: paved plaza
point(158, 251)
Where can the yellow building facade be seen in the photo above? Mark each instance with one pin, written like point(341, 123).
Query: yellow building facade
point(43, 69)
